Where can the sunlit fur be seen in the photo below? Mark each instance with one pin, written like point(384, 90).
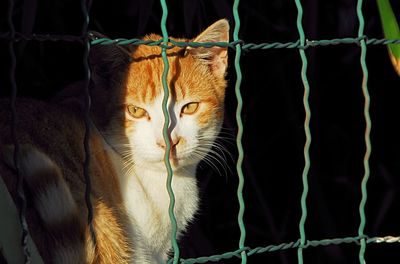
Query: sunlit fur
point(128, 170)
point(142, 149)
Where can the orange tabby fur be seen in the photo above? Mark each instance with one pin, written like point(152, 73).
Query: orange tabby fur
point(55, 133)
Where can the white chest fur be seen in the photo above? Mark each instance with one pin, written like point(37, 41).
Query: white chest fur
point(147, 202)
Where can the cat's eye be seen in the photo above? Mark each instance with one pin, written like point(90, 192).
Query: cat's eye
point(136, 112)
point(190, 108)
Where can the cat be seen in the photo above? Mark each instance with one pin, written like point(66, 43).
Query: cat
point(127, 169)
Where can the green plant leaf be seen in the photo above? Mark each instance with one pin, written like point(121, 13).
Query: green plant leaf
point(390, 30)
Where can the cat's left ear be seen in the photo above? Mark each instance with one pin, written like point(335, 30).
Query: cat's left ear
point(215, 57)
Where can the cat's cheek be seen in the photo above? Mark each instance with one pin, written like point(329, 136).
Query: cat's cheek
point(207, 118)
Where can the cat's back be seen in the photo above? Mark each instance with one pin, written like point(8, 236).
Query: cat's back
point(35, 119)
point(57, 131)
point(43, 127)
point(50, 128)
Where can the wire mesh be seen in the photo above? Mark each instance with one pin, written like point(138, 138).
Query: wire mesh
point(238, 45)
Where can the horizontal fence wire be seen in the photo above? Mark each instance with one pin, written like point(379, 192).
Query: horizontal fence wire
point(18, 37)
point(292, 245)
point(171, 43)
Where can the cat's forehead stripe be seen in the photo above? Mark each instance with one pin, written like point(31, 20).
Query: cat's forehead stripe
point(144, 81)
point(187, 77)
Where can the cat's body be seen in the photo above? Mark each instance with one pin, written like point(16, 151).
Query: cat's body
point(107, 200)
point(127, 169)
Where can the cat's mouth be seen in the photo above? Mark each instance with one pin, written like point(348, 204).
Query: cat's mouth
point(178, 158)
point(176, 161)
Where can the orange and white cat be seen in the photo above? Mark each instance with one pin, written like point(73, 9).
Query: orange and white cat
point(127, 168)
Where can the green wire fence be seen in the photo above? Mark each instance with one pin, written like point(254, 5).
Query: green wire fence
point(238, 45)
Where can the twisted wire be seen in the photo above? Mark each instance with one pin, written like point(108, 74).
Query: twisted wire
point(171, 43)
point(291, 245)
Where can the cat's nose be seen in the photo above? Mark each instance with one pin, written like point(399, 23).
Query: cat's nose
point(161, 143)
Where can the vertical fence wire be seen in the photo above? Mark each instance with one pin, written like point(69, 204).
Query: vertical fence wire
point(366, 134)
point(166, 134)
point(86, 143)
point(240, 132)
point(307, 133)
point(20, 189)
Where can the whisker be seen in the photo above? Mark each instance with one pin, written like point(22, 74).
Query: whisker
point(213, 156)
point(208, 161)
point(221, 148)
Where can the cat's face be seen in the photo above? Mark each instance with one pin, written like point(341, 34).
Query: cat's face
point(195, 123)
point(196, 82)
point(196, 97)
point(195, 109)
point(197, 85)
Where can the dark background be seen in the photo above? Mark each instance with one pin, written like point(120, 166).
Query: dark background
point(273, 117)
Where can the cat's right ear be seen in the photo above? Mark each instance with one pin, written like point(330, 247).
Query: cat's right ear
point(216, 57)
point(108, 62)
